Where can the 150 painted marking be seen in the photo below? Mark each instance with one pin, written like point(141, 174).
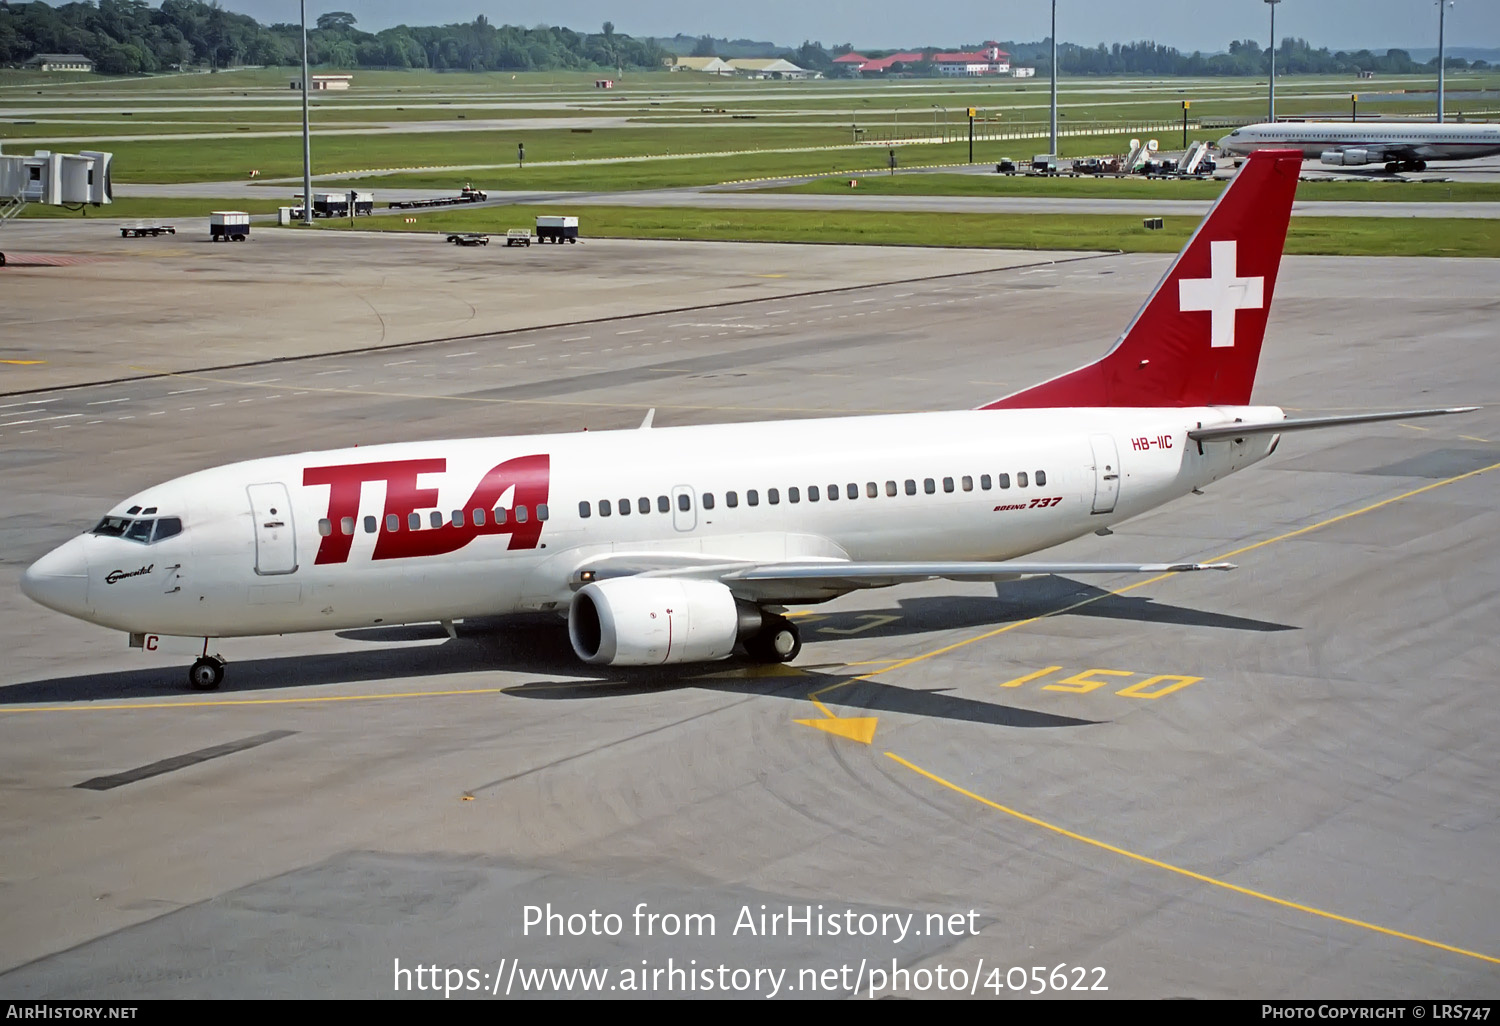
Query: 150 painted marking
point(1153, 686)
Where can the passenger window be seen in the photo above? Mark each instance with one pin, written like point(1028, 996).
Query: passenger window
point(684, 503)
point(346, 526)
point(852, 490)
point(793, 494)
point(872, 490)
point(708, 500)
point(929, 486)
point(605, 509)
point(968, 483)
point(731, 499)
point(479, 517)
point(435, 519)
point(414, 521)
point(458, 518)
point(585, 510)
point(643, 504)
point(1004, 480)
point(752, 497)
point(520, 514)
point(1021, 479)
point(833, 492)
point(663, 504)
point(167, 527)
point(1041, 478)
point(325, 527)
point(890, 488)
point(947, 484)
point(773, 496)
point(984, 482)
point(140, 531)
point(911, 487)
point(624, 507)
point(392, 523)
point(371, 524)
point(813, 495)
point(499, 514)
point(542, 512)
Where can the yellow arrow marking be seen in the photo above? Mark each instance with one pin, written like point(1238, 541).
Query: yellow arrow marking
point(855, 728)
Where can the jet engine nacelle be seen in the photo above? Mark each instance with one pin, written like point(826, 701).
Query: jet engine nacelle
point(1349, 158)
point(651, 621)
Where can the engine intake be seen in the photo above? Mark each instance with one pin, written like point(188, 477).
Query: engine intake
point(653, 621)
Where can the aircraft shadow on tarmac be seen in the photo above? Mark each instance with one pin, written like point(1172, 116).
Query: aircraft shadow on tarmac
point(539, 645)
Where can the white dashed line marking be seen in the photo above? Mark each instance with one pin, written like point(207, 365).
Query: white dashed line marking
point(632, 331)
point(578, 338)
point(400, 363)
point(528, 345)
point(455, 356)
point(106, 402)
point(185, 391)
point(821, 306)
point(29, 402)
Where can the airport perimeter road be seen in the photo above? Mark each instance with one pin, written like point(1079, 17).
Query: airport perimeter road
point(741, 200)
point(1275, 782)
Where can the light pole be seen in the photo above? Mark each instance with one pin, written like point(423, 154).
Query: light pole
point(1273, 4)
point(1054, 78)
point(307, 200)
point(1442, 58)
point(934, 122)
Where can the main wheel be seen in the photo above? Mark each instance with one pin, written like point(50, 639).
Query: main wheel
point(206, 674)
point(2, 259)
point(779, 641)
point(1391, 166)
point(1421, 165)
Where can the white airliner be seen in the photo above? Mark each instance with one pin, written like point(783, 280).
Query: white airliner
point(1400, 146)
point(673, 545)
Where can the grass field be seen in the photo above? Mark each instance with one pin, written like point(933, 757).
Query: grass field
point(1451, 237)
point(156, 209)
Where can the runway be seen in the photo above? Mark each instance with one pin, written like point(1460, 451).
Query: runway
point(1278, 782)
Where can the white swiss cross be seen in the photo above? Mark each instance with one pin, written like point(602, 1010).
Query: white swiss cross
point(1221, 293)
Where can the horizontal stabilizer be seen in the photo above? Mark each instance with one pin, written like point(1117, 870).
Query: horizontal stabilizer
point(1240, 430)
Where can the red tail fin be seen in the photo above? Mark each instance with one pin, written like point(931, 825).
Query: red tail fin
point(1197, 340)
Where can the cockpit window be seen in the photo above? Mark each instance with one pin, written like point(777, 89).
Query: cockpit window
point(112, 527)
point(145, 530)
point(1235, 132)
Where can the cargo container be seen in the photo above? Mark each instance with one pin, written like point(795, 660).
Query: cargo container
point(228, 225)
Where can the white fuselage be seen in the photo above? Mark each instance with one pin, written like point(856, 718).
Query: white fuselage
point(261, 551)
point(1412, 141)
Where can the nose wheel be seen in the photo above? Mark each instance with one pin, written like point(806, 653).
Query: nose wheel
point(206, 674)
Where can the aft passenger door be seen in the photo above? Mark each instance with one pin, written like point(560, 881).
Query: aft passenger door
point(1106, 473)
point(275, 532)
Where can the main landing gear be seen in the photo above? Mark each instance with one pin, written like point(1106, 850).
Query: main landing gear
point(779, 641)
point(206, 673)
point(1394, 166)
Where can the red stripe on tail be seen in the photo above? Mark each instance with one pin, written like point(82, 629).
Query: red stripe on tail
point(1197, 340)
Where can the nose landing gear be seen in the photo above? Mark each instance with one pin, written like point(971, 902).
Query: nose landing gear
point(206, 673)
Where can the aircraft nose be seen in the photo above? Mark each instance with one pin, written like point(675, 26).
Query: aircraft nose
point(60, 579)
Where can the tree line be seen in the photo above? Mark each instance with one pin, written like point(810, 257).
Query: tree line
point(129, 36)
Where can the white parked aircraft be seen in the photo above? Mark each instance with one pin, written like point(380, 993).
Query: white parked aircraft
point(672, 545)
point(1399, 145)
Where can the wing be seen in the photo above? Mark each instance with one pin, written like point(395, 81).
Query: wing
point(817, 580)
point(1220, 432)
